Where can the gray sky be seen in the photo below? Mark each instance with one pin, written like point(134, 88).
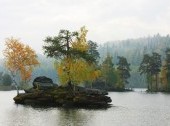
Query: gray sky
point(33, 20)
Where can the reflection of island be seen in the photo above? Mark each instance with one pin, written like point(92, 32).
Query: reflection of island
point(77, 117)
point(28, 116)
point(72, 117)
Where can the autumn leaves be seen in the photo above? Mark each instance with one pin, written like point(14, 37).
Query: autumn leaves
point(76, 64)
point(71, 50)
point(20, 58)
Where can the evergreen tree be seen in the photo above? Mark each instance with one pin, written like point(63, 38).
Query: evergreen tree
point(6, 80)
point(144, 68)
point(151, 65)
point(75, 60)
point(1, 75)
point(108, 72)
point(156, 66)
point(92, 50)
point(123, 69)
point(167, 66)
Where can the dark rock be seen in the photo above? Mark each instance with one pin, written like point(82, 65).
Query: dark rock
point(43, 82)
point(43, 79)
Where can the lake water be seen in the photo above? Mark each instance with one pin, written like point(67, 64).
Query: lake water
point(129, 109)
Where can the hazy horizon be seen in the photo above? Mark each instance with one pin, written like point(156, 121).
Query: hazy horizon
point(106, 20)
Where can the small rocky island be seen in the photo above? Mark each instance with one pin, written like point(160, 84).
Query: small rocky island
point(45, 93)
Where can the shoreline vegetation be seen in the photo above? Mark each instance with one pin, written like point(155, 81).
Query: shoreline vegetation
point(10, 88)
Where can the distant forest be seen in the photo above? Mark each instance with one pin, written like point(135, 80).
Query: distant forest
point(132, 49)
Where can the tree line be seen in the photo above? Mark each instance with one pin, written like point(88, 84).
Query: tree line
point(78, 61)
point(134, 50)
point(157, 71)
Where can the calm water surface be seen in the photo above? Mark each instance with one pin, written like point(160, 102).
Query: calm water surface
point(129, 109)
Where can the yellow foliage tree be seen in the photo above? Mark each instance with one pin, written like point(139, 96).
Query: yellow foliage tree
point(79, 69)
point(76, 56)
point(19, 58)
point(80, 43)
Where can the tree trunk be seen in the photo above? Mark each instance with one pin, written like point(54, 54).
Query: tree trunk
point(151, 83)
point(71, 89)
point(105, 84)
point(91, 85)
point(148, 82)
point(168, 81)
point(156, 82)
point(17, 90)
point(16, 86)
point(13, 79)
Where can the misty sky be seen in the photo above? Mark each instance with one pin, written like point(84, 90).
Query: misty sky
point(33, 20)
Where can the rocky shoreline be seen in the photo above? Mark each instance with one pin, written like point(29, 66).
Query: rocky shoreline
point(61, 96)
point(45, 92)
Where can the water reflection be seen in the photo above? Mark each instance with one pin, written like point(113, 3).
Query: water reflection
point(72, 117)
point(132, 109)
point(28, 116)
